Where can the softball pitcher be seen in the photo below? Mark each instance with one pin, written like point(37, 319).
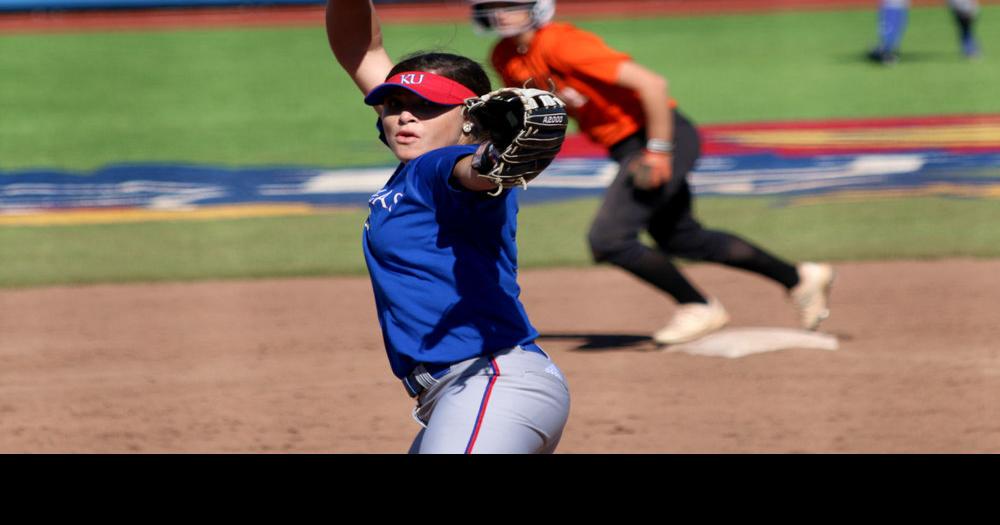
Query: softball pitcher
point(627, 108)
point(439, 242)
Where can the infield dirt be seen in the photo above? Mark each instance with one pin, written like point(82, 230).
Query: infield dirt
point(298, 366)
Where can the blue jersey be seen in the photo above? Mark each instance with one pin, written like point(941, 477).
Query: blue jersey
point(443, 265)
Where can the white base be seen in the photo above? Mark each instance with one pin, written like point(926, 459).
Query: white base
point(739, 342)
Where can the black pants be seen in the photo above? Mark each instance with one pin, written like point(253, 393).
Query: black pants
point(667, 215)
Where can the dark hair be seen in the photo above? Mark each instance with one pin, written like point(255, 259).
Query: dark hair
point(463, 70)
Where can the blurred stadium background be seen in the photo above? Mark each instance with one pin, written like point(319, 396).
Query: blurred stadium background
point(125, 127)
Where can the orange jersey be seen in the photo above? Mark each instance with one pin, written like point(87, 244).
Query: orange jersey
point(584, 71)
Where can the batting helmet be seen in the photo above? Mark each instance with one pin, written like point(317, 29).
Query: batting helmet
point(484, 14)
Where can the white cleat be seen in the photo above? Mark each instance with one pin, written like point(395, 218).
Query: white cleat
point(812, 293)
point(692, 321)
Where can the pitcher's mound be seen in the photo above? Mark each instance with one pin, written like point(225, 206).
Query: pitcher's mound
point(739, 342)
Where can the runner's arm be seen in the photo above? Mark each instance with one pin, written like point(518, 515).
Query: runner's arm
point(654, 94)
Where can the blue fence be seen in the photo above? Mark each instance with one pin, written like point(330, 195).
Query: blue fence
point(42, 5)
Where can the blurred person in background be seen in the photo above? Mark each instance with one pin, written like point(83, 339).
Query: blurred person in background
point(627, 109)
point(893, 16)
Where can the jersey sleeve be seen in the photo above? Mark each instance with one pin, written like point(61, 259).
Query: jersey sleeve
point(589, 56)
point(432, 178)
point(434, 187)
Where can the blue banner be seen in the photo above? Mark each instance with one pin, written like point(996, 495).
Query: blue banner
point(185, 187)
point(41, 5)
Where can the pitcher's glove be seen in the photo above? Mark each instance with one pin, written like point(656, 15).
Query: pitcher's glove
point(526, 128)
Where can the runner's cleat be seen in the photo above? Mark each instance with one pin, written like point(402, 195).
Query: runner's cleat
point(692, 321)
point(812, 294)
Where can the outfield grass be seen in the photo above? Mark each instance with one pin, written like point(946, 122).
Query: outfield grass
point(253, 96)
point(548, 235)
point(248, 97)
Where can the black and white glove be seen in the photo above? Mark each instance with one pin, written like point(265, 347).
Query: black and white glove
point(526, 127)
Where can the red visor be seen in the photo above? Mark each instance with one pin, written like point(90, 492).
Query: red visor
point(435, 88)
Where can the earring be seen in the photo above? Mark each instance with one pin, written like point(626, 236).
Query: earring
point(467, 127)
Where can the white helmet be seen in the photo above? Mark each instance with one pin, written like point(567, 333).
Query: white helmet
point(484, 17)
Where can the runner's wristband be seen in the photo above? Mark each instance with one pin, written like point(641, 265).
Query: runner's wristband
point(659, 145)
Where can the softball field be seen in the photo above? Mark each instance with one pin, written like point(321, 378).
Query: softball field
point(297, 364)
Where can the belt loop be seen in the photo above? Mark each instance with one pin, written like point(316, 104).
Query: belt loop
point(420, 379)
point(413, 388)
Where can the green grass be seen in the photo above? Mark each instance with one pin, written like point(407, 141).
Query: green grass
point(548, 235)
point(809, 65)
point(248, 97)
point(182, 250)
point(254, 96)
point(917, 228)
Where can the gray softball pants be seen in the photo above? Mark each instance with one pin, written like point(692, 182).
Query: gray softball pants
point(515, 401)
